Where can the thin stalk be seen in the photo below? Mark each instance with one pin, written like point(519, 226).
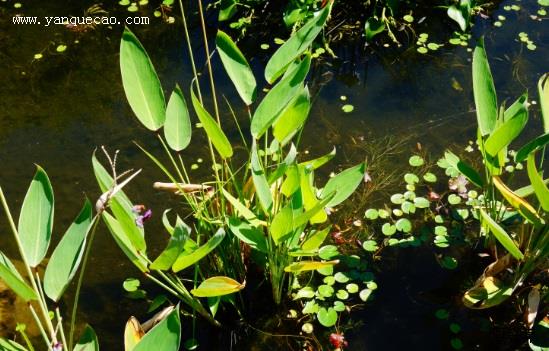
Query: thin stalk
point(189, 47)
point(162, 285)
point(43, 308)
point(81, 279)
point(61, 331)
point(27, 340)
point(40, 327)
point(167, 150)
point(208, 61)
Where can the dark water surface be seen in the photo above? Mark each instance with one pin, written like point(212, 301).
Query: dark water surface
point(55, 111)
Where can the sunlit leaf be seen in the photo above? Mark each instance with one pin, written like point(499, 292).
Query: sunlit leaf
point(11, 277)
point(186, 259)
point(217, 286)
point(177, 128)
point(165, 336)
point(295, 45)
point(532, 146)
point(248, 234)
point(521, 205)
point(504, 134)
point(501, 235)
point(343, 184)
point(36, 218)
point(302, 266)
point(543, 89)
point(88, 341)
point(176, 246)
point(259, 178)
point(373, 27)
point(292, 117)
point(66, 257)
point(141, 83)
point(315, 239)
point(541, 190)
point(237, 67)
point(484, 91)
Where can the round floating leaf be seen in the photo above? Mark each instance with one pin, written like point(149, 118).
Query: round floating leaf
point(408, 207)
point(329, 280)
point(441, 230)
point(365, 294)
point(347, 108)
point(370, 246)
point(454, 199)
point(430, 177)
point(307, 328)
point(410, 195)
point(439, 219)
point(463, 213)
point(408, 18)
point(131, 284)
point(371, 285)
point(433, 46)
point(383, 213)
point(388, 229)
point(325, 290)
point(339, 306)
point(411, 178)
point(397, 199)
point(404, 225)
point(398, 212)
point(371, 213)
point(328, 252)
point(449, 262)
point(441, 241)
point(455, 328)
point(327, 317)
point(352, 288)
point(392, 242)
point(341, 277)
point(456, 343)
point(416, 161)
point(442, 313)
point(421, 202)
point(342, 294)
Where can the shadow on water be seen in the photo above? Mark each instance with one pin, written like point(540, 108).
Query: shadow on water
point(56, 110)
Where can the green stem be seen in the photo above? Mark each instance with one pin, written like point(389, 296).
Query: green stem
point(40, 327)
point(189, 46)
point(61, 330)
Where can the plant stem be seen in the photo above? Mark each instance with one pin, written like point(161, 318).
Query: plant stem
point(189, 46)
point(62, 332)
point(40, 327)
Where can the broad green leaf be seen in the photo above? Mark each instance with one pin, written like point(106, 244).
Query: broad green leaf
point(213, 130)
point(373, 27)
point(302, 266)
point(282, 225)
point(66, 257)
point(521, 205)
point(289, 160)
point(308, 194)
point(186, 259)
point(455, 14)
point(14, 280)
point(278, 97)
point(484, 91)
point(319, 162)
point(133, 333)
point(528, 190)
point(488, 293)
point(217, 286)
point(88, 341)
point(175, 247)
point(543, 89)
point(261, 185)
point(121, 238)
point(121, 207)
point(165, 336)
point(343, 184)
point(291, 183)
point(141, 84)
point(177, 128)
point(532, 146)
point(236, 67)
point(36, 218)
point(227, 9)
point(10, 345)
point(248, 234)
point(503, 135)
point(296, 45)
point(501, 235)
point(327, 316)
point(541, 190)
point(242, 209)
point(315, 239)
point(292, 117)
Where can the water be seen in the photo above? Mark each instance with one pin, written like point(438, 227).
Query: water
point(57, 110)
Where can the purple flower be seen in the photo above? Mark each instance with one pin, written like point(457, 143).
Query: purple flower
point(57, 346)
point(143, 218)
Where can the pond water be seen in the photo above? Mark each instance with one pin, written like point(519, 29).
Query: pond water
point(56, 110)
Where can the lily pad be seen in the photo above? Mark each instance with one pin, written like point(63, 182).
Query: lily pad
point(370, 246)
point(411, 178)
point(383, 213)
point(454, 199)
point(404, 225)
point(388, 229)
point(341, 277)
point(365, 294)
point(352, 288)
point(327, 317)
point(325, 290)
point(347, 108)
point(430, 177)
point(397, 199)
point(421, 202)
point(416, 161)
point(371, 213)
point(328, 252)
point(408, 207)
point(342, 294)
point(339, 306)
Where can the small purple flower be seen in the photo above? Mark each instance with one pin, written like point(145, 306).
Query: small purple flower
point(58, 346)
point(143, 218)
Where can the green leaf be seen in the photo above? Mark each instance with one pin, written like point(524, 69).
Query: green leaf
point(14, 280)
point(541, 190)
point(463, 168)
point(36, 218)
point(404, 225)
point(141, 84)
point(484, 91)
point(320, 161)
point(543, 89)
point(88, 341)
point(261, 185)
point(308, 194)
point(227, 9)
point(292, 117)
point(373, 27)
point(236, 67)
point(416, 161)
point(455, 14)
point(532, 146)
point(295, 45)
point(124, 242)
point(217, 286)
point(501, 235)
point(315, 239)
point(522, 206)
point(343, 184)
point(176, 245)
point(242, 209)
point(177, 128)
point(186, 259)
point(165, 336)
point(503, 135)
point(272, 105)
point(66, 257)
point(248, 234)
point(303, 266)
point(327, 317)
point(9, 345)
point(213, 131)
point(282, 224)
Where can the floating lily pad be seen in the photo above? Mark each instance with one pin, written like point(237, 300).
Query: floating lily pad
point(430, 177)
point(442, 313)
point(339, 306)
point(449, 262)
point(388, 229)
point(347, 108)
point(456, 343)
point(310, 307)
point(411, 178)
point(133, 7)
point(441, 230)
point(370, 246)
point(438, 219)
point(433, 46)
point(341, 277)
point(421, 202)
point(408, 207)
point(463, 213)
point(61, 48)
point(325, 290)
point(383, 213)
point(455, 328)
point(397, 199)
point(342, 294)
point(371, 213)
point(329, 280)
point(264, 46)
point(124, 2)
point(422, 50)
point(304, 293)
point(410, 195)
point(404, 225)
point(416, 161)
point(327, 317)
point(398, 212)
point(131, 284)
point(408, 18)
point(454, 199)
point(365, 294)
point(328, 252)
point(307, 328)
point(371, 285)
point(38, 56)
point(352, 288)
